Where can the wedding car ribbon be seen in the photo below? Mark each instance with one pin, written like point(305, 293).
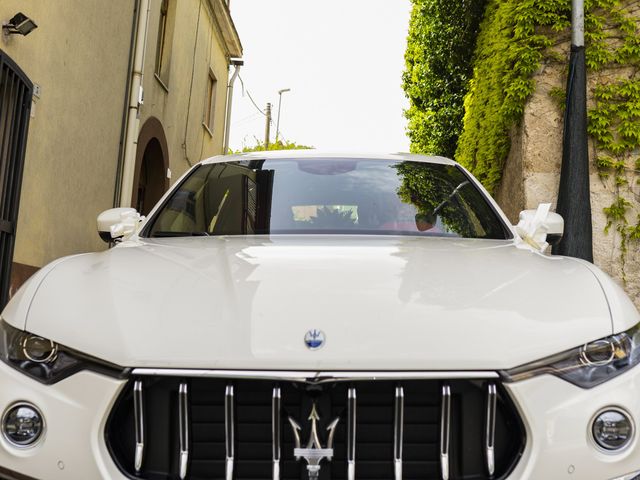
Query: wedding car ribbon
point(533, 230)
point(128, 225)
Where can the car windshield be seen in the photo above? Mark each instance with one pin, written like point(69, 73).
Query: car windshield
point(327, 196)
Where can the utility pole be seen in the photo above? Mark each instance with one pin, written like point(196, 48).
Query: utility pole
point(280, 92)
point(574, 198)
point(267, 130)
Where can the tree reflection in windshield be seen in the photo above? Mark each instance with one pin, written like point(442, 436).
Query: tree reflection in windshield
point(434, 192)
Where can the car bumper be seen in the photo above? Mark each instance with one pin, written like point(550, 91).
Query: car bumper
point(557, 418)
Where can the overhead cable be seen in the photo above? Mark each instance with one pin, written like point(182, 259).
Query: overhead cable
point(250, 97)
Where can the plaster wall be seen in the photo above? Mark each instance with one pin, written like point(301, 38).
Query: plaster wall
point(78, 56)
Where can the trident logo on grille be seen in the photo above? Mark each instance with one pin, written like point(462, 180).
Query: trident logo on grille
point(314, 452)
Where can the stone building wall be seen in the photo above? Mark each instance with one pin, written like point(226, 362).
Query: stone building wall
point(532, 172)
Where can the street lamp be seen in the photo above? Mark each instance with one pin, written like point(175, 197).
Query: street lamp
point(280, 92)
point(237, 63)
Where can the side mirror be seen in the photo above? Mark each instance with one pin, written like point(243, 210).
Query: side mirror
point(540, 227)
point(118, 223)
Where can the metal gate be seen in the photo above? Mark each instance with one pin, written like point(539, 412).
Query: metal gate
point(15, 104)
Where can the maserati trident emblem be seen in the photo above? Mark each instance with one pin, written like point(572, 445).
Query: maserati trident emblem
point(314, 452)
point(314, 339)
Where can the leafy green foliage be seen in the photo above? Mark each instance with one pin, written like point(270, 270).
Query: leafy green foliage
point(442, 35)
point(615, 120)
point(616, 213)
point(279, 145)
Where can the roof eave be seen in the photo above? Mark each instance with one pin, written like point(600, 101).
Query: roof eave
point(230, 35)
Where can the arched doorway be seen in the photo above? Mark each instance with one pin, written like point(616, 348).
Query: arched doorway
point(151, 179)
point(152, 163)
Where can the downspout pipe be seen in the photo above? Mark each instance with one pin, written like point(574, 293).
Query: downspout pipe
point(125, 104)
point(237, 63)
point(135, 100)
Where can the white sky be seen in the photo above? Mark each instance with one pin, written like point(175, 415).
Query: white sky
point(342, 60)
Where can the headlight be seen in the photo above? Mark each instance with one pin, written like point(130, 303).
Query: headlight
point(44, 360)
point(589, 365)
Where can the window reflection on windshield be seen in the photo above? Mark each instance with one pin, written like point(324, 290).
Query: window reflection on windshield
point(327, 196)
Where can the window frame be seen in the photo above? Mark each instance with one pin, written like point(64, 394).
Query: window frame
point(208, 116)
point(163, 53)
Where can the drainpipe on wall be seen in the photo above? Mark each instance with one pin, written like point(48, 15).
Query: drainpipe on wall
point(237, 63)
point(125, 105)
point(135, 100)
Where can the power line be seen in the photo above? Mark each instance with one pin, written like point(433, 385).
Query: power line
point(247, 119)
point(250, 97)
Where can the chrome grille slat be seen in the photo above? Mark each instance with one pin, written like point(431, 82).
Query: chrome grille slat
point(229, 431)
point(138, 408)
point(351, 434)
point(276, 441)
point(445, 431)
point(398, 424)
point(490, 433)
point(183, 424)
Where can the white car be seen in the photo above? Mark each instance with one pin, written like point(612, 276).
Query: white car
point(298, 315)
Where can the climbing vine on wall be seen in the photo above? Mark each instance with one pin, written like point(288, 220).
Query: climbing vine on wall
point(614, 123)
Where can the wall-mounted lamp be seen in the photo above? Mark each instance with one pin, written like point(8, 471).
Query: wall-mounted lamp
point(20, 24)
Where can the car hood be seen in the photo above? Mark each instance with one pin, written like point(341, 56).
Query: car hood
point(383, 303)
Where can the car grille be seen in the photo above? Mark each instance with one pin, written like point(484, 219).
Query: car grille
point(203, 427)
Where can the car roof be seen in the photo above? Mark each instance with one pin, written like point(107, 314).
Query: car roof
point(318, 154)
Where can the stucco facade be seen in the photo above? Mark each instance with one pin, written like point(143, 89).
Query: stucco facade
point(81, 58)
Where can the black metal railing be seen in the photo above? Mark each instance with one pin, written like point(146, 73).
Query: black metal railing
point(16, 91)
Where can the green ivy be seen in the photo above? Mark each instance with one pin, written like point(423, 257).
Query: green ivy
point(614, 124)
